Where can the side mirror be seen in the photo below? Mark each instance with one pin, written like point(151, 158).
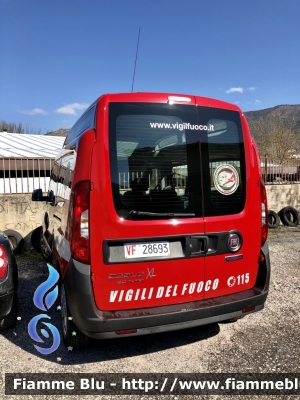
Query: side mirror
point(51, 197)
point(37, 195)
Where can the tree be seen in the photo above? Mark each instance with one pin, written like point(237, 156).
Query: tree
point(12, 127)
point(277, 141)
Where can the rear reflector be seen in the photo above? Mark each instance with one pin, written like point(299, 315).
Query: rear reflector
point(125, 331)
point(245, 310)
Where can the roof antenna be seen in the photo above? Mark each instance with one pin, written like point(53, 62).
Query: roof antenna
point(137, 49)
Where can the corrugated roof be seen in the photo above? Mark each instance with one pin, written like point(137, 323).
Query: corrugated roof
point(16, 145)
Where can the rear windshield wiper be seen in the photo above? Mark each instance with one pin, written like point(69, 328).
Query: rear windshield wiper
point(162, 215)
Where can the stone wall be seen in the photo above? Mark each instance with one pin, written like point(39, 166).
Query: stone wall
point(280, 196)
point(19, 213)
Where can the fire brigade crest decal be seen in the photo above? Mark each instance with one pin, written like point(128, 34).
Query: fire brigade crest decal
point(226, 179)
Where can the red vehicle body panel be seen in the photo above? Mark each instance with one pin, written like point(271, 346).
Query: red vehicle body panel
point(127, 286)
point(171, 281)
point(248, 223)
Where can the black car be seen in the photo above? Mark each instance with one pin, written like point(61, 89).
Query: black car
point(8, 284)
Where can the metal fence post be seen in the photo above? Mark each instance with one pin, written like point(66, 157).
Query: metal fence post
point(265, 176)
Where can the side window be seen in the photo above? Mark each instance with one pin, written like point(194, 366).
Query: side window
point(176, 180)
point(64, 187)
point(54, 177)
point(86, 121)
point(180, 181)
point(155, 178)
point(66, 174)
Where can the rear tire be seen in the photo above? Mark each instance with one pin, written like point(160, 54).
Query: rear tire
point(10, 320)
point(289, 216)
point(273, 219)
point(16, 240)
point(71, 334)
point(231, 320)
point(35, 239)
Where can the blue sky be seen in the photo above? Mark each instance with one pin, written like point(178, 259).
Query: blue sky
point(58, 56)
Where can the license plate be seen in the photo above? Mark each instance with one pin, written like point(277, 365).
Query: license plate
point(144, 250)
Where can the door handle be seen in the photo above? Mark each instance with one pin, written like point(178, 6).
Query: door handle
point(199, 243)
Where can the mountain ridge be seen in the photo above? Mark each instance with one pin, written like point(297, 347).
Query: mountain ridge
point(285, 115)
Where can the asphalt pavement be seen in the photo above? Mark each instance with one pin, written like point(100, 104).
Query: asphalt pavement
point(264, 342)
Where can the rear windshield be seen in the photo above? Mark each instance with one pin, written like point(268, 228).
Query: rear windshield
point(175, 161)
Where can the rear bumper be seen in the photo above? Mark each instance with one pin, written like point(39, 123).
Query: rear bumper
point(103, 324)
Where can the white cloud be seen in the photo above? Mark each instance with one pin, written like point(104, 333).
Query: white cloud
point(35, 111)
point(257, 102)
point(70, 109)
point(235, 89)
point(251, 88)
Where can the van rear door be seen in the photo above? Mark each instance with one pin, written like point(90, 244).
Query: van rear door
point(231, 196)
point(175, 216)
point(147, 229)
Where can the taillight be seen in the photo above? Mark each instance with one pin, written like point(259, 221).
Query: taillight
point(3, 262)
point(80, 239)
point(264, 212)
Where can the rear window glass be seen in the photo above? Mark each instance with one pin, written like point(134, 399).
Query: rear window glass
point(223, 162)
point(162, 155)
point(154, 160)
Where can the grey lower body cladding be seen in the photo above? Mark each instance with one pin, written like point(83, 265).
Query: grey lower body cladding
point(103, 324)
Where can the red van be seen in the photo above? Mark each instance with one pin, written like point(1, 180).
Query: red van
point(156, 217)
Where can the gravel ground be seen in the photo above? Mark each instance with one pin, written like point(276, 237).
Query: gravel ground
point(267, 341)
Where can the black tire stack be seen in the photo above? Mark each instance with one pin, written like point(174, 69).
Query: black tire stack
point(289, 216)
point(273, 219)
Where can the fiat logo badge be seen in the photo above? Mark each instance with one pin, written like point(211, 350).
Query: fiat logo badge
point(234, 242)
